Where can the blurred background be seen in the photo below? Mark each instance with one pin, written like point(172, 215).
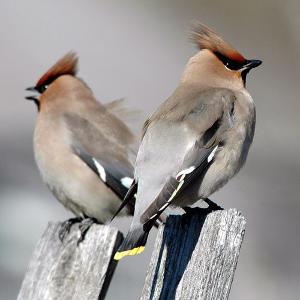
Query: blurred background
point(138, 49)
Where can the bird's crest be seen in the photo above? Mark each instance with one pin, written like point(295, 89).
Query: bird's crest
point(205, 38)
point(67, 65)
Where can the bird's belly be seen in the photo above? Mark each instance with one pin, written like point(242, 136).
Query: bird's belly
point(228, 161)
point(81, 192)
point(224, 167)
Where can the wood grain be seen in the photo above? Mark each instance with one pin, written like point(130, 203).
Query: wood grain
point(68, 270)
point(195, 256)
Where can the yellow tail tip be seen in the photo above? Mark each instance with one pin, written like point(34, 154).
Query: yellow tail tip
point(134, 251)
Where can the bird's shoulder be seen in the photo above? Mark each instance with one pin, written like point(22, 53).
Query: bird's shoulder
point(188, 104)
point(103, 119)
point(95, 139)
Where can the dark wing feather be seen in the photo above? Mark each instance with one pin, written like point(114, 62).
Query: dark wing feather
point(195, 163)
point(100, 153)
point(128, 198)
point(113, 175)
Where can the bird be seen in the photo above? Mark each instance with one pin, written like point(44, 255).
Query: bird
point(83, 149)
point(197, 139)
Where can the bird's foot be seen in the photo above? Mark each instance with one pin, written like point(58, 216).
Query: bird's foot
point(84, 228)
point(195, 210)
point(188, 210)
point(212, 206)
point(65, 227)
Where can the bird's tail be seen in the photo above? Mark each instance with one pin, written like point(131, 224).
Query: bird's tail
point(134, 243)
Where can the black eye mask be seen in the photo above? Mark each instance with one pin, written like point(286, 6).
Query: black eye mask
point(230, 64)
point(41, 89)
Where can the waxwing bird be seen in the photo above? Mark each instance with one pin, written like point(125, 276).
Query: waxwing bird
point(83, 149)
point(197, 139)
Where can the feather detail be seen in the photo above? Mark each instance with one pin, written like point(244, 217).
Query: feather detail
point(205, 38)
point(67, 65)
point(195, 163)
point(133, 244)
point(119, 109)
point(110, 174)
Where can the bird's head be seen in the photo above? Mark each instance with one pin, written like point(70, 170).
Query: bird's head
point(217, 63)
point(67, 65)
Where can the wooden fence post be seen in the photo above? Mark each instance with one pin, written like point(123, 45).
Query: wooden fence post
point(195, 256)
point(66, 270)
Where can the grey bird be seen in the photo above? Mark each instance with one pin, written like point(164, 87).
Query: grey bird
point(197, 139)
point(83, 149)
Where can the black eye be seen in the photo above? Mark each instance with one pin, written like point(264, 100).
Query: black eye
point(41, 89)
point(230, 64)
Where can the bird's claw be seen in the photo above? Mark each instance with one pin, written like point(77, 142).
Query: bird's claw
point(84, 226)
point(65, 227)
point(188, 210)
point(212, 205)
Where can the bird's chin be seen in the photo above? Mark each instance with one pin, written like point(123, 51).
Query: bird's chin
point(244, 75)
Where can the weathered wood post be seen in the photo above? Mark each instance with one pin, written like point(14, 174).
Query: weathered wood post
point(195, 256)
point(68, 270)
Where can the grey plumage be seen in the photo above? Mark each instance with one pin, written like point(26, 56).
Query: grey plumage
point(197, 139)
point(214, 117)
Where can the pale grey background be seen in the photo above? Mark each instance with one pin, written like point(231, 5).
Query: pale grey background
point(138, 49)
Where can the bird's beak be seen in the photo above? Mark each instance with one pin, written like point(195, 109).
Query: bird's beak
point(31, 98)
point(250, 64)
point(31, 89)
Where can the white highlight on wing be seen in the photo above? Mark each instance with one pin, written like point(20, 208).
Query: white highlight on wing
point(152, 217)
point(184, 172)
point(100, 170)
point(212, 154)
point(163, 207)
point(127, 181)
point(171, 198)
point(176, 191)
point(180, 177)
